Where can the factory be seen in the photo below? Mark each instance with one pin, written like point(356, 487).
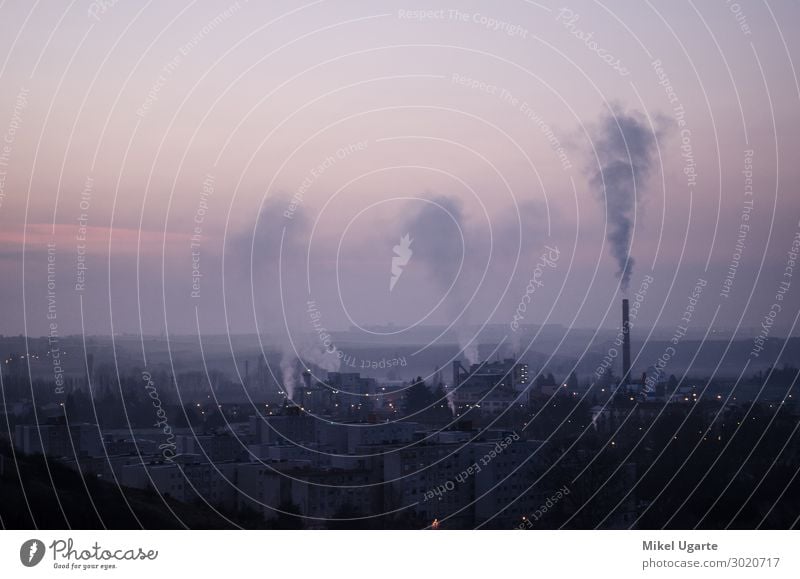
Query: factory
point(491, 386)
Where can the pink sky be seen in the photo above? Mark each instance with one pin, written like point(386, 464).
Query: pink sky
point(150, 102)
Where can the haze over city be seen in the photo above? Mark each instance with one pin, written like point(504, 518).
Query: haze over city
point(482, 144)
point(365, 265)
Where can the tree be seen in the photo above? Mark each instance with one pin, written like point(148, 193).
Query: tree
point(186, 416)
point(672, 384)
point(418, 396)
point(572, 382)
point(441, 409)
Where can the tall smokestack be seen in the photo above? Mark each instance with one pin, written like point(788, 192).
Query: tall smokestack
point(456, 374)
point(626, 345)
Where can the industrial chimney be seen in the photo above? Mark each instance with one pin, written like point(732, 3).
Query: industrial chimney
point(456, 374)
point(626, 345)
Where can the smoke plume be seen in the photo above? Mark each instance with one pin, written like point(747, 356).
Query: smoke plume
point(440, 243)
point(625, 147)
point(276, 239)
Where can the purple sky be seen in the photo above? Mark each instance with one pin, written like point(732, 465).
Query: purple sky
point(486, 135)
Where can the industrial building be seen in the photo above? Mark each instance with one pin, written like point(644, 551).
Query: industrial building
point(491, 386)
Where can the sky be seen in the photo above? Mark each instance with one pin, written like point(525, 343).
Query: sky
point(218, 167)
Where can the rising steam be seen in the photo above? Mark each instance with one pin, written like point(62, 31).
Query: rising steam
point(275, 240)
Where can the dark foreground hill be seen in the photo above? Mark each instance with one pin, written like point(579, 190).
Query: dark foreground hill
point(28, 500)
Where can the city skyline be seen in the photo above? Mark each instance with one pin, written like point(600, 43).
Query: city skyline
point(373, 266)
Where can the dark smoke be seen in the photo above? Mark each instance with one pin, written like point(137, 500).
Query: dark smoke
point(437, 230)
point(261, 240)
point(440, 244)
point(625, 147)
